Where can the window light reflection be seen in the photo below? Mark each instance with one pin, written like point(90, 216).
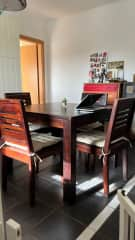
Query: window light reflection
point(90, 183)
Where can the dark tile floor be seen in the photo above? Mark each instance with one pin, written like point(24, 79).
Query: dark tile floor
point(51, 219)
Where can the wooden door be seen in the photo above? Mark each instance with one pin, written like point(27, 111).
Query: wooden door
point(32, 68)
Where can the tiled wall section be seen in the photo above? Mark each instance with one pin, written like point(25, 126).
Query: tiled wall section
point(9, 55)
point(12, 25)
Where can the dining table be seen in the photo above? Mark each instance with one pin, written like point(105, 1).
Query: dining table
point(69, 120)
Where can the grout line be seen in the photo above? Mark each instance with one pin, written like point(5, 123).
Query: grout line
point(75, 219)
point(102, 217)
point(44, 218)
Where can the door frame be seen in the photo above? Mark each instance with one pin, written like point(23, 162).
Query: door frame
point(41, 68)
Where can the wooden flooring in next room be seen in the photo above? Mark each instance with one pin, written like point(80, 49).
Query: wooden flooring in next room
point(51, 219)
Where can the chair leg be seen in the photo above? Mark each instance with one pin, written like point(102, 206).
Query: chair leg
point(87, 161)
point(79, 155)
point(93, 162)
point(9, 165)
point(90, 161)
point(37, 166)
point(106, 175)
point(124, 154)
point(4, 174)
point(115, 160)
point(61, 163)
point(32, 183)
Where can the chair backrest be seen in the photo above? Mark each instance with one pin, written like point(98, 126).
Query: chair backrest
point(133, 128)
point(14, 130)
point(113, 90)
point(127, 217)
point(120, 121)
point(24, 96)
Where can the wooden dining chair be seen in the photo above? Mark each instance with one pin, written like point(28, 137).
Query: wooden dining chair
point(16, 141)
point(25, 97)
point(116, 138)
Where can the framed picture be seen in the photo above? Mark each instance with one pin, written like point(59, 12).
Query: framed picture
point(115, 70)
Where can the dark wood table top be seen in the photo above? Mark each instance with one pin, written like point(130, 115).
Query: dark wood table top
point(57, 110)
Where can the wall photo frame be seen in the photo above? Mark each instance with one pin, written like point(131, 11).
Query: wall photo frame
point(115, 70)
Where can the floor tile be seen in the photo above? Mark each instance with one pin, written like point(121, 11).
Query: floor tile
point(29, 237)
point(27, 216)
point(86, 209)
point(58, 226)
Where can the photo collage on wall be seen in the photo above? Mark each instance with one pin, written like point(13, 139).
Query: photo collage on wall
point(98, 67)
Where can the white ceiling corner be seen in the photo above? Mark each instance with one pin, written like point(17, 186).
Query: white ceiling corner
point(61, 8)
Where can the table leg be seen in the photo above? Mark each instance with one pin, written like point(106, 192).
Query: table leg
point(69, 162)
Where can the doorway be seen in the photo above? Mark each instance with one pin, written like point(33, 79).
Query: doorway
point(32, 68)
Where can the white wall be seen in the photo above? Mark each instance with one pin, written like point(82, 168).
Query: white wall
point(68, 43)
point(11, 26)
point(110, 28)
point(9, 65)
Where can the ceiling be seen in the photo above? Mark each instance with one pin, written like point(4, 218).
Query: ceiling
point(61, 8)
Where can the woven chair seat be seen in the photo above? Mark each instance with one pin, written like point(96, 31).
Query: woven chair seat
point(36, 126)
point(42, 140)
point(90, 127)
point(94, 138)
